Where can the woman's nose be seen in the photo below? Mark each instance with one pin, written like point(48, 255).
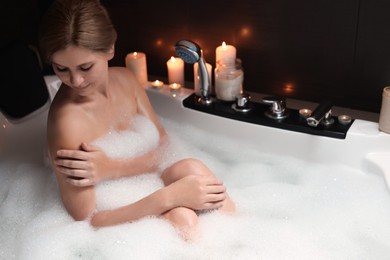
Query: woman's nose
point(76, 79)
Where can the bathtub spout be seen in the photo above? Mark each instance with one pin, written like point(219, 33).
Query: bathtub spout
point(322, 114)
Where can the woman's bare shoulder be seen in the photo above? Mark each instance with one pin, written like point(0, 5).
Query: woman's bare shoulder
point(67, 125)
point(124, 77)
point(122, 73)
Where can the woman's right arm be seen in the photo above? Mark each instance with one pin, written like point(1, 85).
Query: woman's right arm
point(63, 133)
point(196, 192)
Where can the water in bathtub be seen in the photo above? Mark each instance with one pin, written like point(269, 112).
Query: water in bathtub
point(287, 208)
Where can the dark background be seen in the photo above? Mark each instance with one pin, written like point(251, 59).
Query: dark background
point(304, 49)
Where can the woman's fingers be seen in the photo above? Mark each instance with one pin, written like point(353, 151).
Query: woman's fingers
point(216, 205)
point(80, 182)
point(73, 154)
point(216, 197)
point(215, 189)
point(79, 173)
point(72, 164)
point(211, 180)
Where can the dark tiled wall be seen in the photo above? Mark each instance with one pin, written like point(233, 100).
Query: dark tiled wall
point(312, 50)
point(305, 49)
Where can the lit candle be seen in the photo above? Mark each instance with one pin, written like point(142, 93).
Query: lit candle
point(175, 87)
point(305, 112)
point(157, 84)
point(344, 119)
point(227, 89)
point(196, 77)
point(225, 52)
point(175, 70)
point(229, 78)
point(136, 62)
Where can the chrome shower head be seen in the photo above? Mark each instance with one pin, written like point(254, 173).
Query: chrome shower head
point(189, 51)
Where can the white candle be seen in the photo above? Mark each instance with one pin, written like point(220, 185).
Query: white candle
point(175, 70)
point(196, 77)
point(225, 52)
point(136, 62)
point(229, 78)
point(228, 89)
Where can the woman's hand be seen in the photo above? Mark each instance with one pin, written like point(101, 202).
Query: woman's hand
point(84, 167)
point(198, 192)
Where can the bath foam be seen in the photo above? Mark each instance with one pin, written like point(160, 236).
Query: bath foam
point(141, 138)
point(286, 209)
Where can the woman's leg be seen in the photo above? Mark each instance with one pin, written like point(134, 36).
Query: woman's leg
point(186, 219)
point(191, 166)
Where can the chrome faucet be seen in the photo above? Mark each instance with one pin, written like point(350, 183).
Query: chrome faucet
point(277, 109)
point(191, 52)
point(322, 114)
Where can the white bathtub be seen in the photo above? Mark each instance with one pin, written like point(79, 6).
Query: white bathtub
point(365, 149)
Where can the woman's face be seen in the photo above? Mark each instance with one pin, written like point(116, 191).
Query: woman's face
point(80, 68)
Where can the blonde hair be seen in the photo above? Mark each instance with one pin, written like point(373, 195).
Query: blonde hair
point(82, 23)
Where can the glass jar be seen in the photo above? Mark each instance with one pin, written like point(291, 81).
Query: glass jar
point(229, 77)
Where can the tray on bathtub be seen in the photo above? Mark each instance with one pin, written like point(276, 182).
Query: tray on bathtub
point(294, 122)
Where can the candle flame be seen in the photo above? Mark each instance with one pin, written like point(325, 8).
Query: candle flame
point(135, 53)
point(288, 88)
point(223, 44)
point(173, 59)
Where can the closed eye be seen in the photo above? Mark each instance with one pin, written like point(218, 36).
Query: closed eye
point(61, 69)
point(86, 68)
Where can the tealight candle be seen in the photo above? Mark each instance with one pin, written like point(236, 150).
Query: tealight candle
point(344, 119)
point(196, 77)
point(157, 84)
point(175, 87)
point(175, 70)
point(225, 52)
point(136, 62)
point(305, 112)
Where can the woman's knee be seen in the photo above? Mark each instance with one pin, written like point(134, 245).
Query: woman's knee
point(182, 218)
point(184, 168)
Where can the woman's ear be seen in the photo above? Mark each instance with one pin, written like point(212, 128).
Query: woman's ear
point(111, 52)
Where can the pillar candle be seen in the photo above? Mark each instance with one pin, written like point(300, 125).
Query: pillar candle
point(175, 70)
point(384, 115)
point(225, 52)
point(196, 77)
point(136, 62)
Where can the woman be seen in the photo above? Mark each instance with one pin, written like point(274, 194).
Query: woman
point(78, 38)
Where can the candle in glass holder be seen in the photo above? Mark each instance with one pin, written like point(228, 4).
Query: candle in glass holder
point(196, 77)
point(225, 52)
point(229, 77)
point(175, 70)
point(136, 62)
